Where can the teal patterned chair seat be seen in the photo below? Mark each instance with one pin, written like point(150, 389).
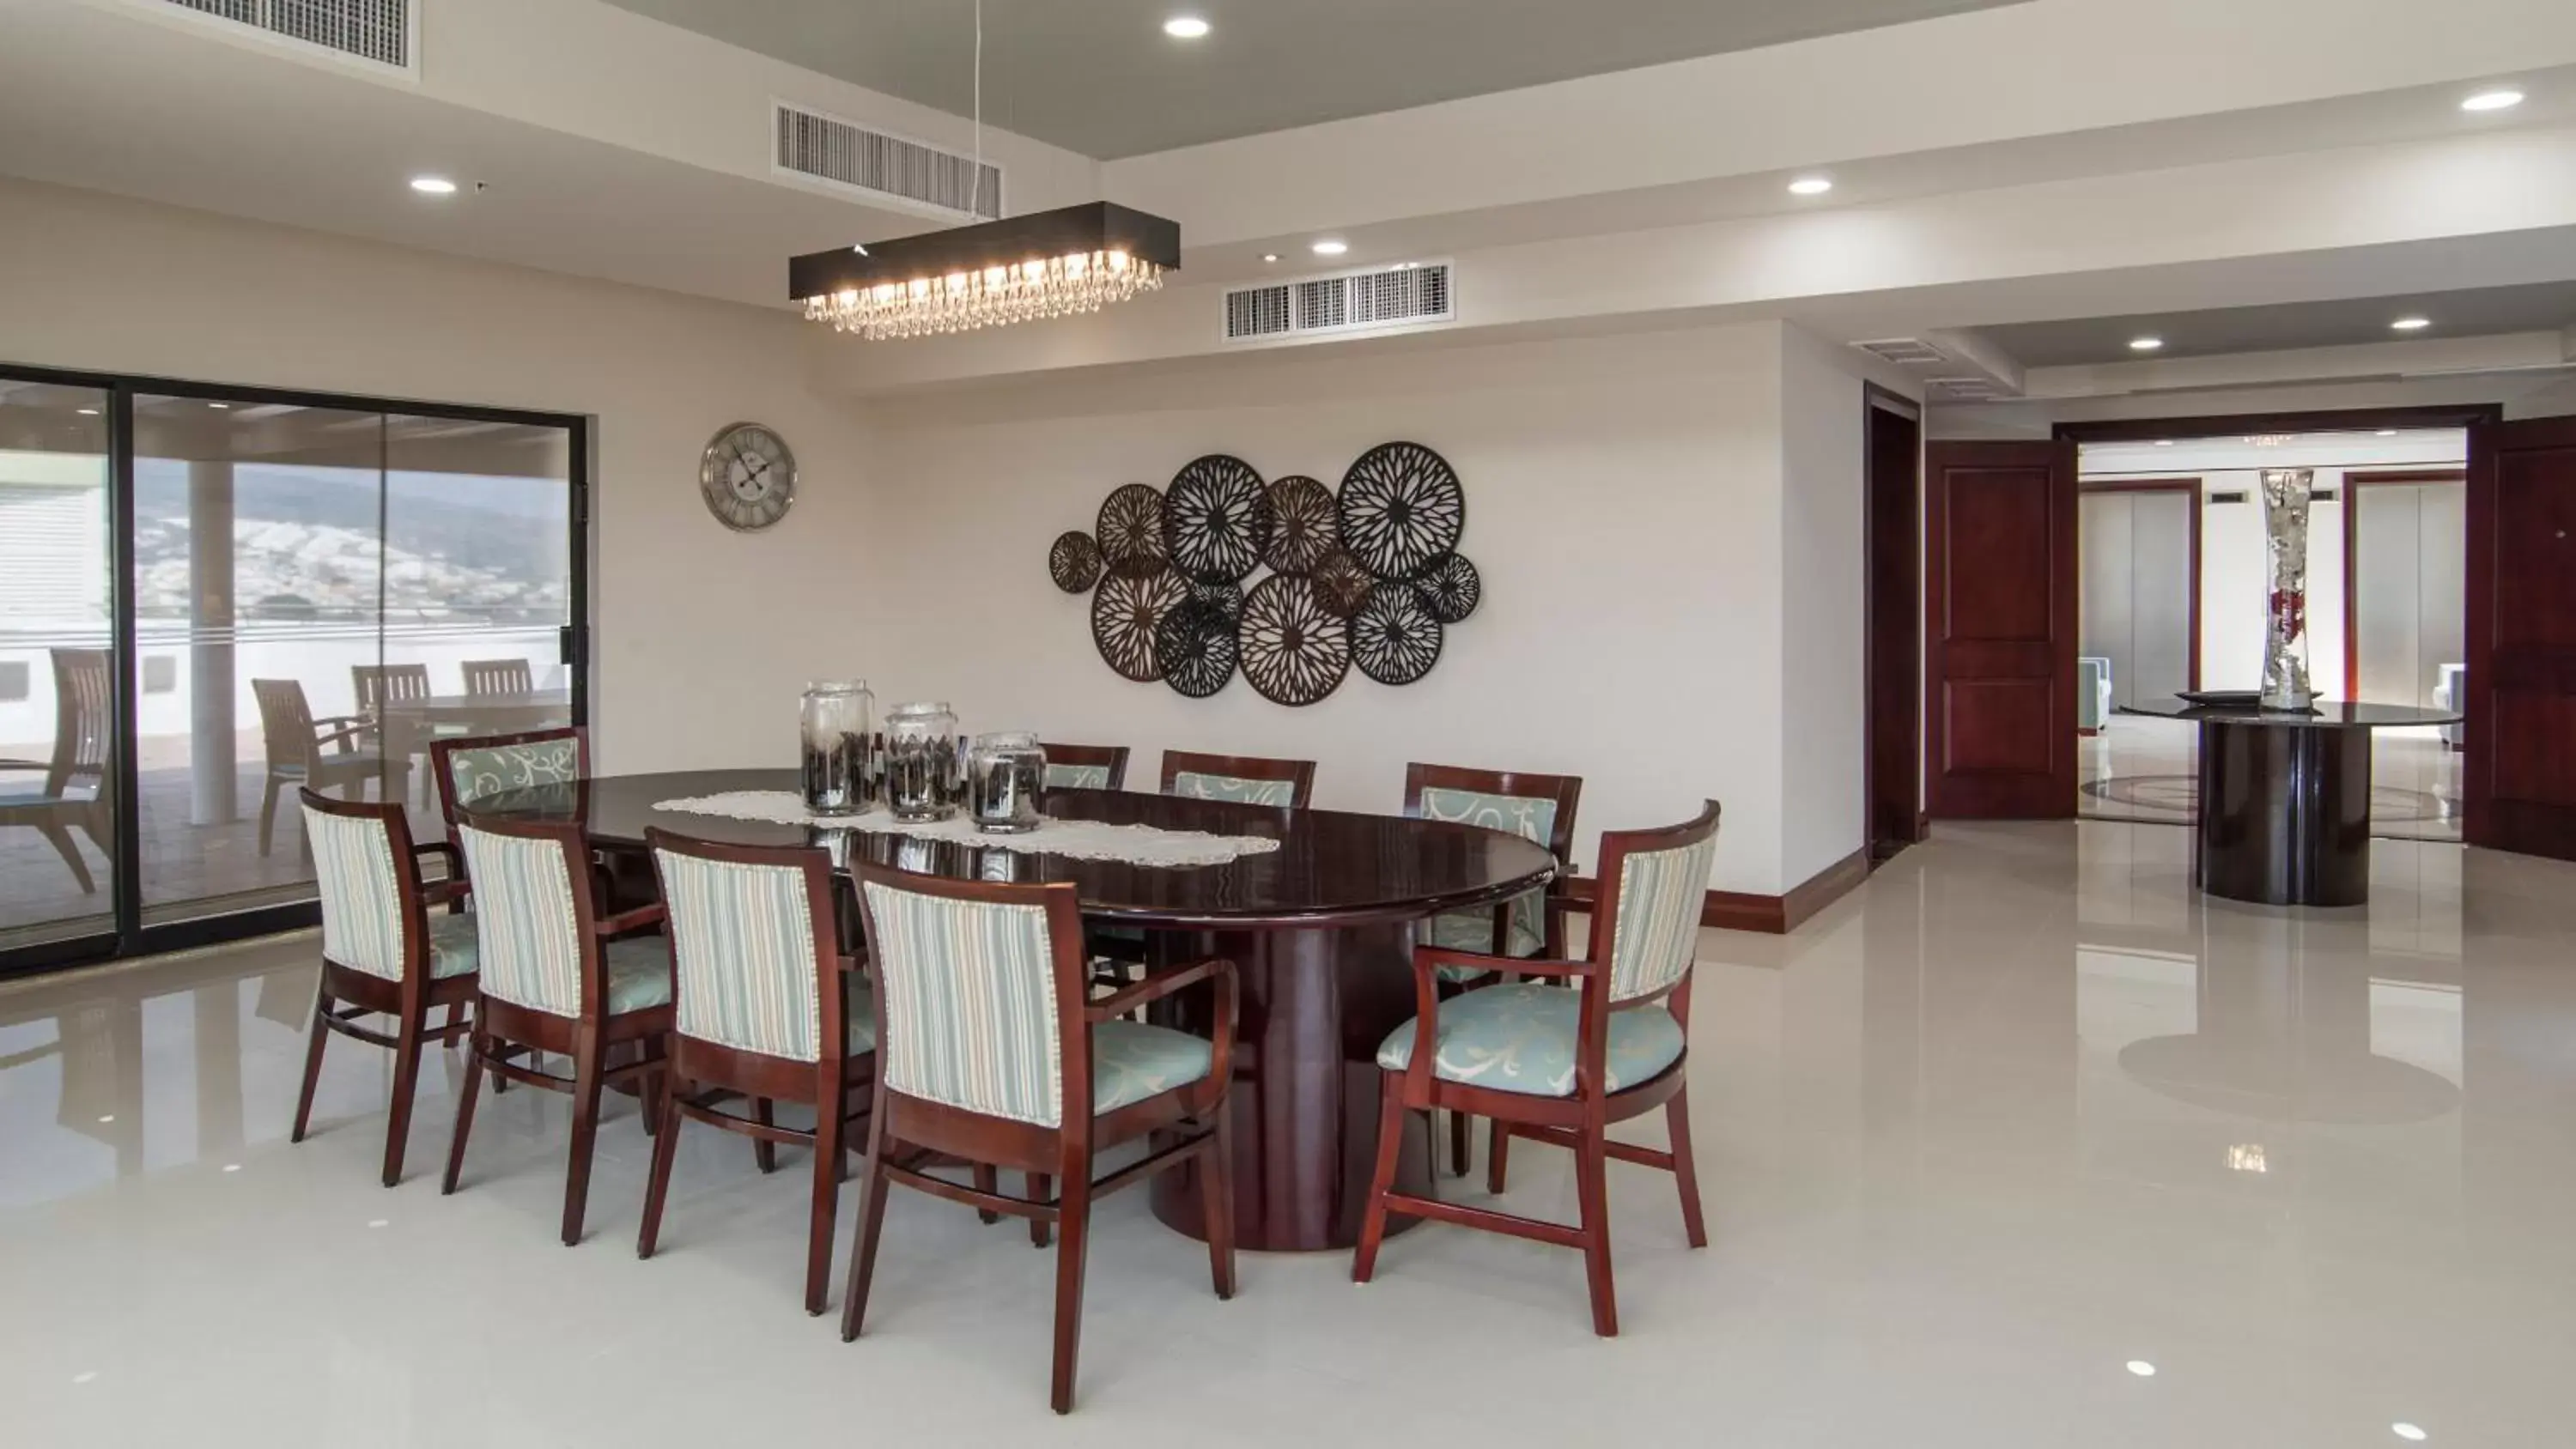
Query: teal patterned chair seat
point(639, 974)
point(1520, 1038)
point(451, 947)
point(1131, 1061)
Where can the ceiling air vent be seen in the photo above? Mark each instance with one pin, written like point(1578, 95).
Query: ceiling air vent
point(1414, 293)
point(1965, 389)
point(828, 149)
point(1904, 351)
point(380, 32)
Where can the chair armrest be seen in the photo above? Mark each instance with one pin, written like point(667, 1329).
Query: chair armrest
point(1426, 996)
point(624, 921)
point(446, 892)
point(446, 851)
point(24, 765)
point(1155, 988)
point(853, 965)
point(1427, 959)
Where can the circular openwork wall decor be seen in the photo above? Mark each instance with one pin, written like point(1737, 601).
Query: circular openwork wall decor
point(1309, 526)
point(1341, 584)
point(1195, 644)
point(1226, 597)
point(1401, 507)
point(1394, 639)
point(1074, 562)
point(1125, 614)
point(1217, 521)
point(1130, 532)
point(1449, 587)
point(1293, 651)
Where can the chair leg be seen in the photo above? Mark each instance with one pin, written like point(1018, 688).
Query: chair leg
point(407, 1045)
point(1592, 1186)
point(657, 1186)
point(312, 1066)
point(1041, 1187)
point(268, 813)
point(1498, 1149)
point(1390, 1145)
point(763, 1151)
point(1074, 1227)
point(478, 1050)
point(1459, 1125)
point(60, 838)
point(827, 1206)
point(1685, 1171)
point(587, 1068)
point(863, 1251)
point(987, 1180)
point(1216, 1201)
point(649, 1097)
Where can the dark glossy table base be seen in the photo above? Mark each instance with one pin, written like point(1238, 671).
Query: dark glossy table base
point(1315, 1005)
point(2284, 814)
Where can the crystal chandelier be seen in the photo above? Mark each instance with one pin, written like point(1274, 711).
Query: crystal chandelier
point(1022, 269)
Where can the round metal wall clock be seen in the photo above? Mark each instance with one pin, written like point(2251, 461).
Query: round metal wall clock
point(747, 477)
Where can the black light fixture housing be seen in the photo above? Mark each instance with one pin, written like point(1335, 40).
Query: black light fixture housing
point(1096, 226)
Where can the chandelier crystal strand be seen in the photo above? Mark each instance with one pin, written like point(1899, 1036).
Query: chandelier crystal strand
point(997, 296)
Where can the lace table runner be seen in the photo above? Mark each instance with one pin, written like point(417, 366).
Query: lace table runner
point(1073, 839)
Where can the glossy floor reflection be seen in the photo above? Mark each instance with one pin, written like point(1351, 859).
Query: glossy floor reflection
point(2017, 1120)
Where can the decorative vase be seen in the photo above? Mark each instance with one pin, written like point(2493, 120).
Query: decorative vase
point(836, 746)
point(921, 775)
point(2285, 635)
point(1006, 783)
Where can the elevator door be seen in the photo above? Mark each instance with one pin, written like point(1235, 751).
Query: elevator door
point(2409, 546)
point(2139, 589)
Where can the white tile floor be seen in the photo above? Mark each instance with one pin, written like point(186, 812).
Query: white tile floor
point(2139, 767)
point(2019, 1112)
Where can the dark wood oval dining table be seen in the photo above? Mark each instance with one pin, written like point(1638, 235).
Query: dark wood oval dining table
point(1320, 931)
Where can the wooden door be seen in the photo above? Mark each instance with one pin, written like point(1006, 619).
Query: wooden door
point(2521, 767)
point(1893, 604)
point(1999, 636)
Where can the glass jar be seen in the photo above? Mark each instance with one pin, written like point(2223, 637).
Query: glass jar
point(1006, 783)
point(921, 775)
point(837, 745)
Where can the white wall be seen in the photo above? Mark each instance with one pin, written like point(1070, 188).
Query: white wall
point(1824, 649)
point(705, 636)
point(1623, 507)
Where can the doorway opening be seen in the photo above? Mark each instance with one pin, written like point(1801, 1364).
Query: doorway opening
point(1892, 684)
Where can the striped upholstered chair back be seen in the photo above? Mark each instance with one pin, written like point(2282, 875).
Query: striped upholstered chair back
point(1245, 780)
point(369, 883)
point(469, 769)
point(1645, 924)
point(533, 913)
point(751, 946)
point(976, 984)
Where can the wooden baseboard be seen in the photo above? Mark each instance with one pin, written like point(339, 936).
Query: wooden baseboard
point(1768, 915)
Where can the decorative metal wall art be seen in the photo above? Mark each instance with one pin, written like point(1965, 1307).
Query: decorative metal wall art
point(1369, 576)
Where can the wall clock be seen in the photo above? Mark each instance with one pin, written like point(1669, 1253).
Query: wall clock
point(747, 477)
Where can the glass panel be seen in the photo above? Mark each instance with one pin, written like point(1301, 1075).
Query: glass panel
point(478, 583)
point(258, 590)
point(56, 722)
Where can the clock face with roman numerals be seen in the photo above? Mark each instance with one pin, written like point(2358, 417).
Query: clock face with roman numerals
point(747, 477)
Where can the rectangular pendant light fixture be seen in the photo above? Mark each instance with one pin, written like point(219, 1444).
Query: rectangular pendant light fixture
point(1019, 269)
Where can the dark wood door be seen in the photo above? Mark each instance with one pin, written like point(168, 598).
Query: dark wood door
point(1893, 685)
point(2521, 739)
point(1999, 636)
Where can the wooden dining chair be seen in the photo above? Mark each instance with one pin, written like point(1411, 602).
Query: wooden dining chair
point(765, 1008)
point(379, 685)
point(559, 975)
point(1086, 767)
point(75, 787)
point(991, 1051)
point(1560, 1066)
point(468, 769)
point(383, 953)
point(1538, 809)
point(1246, 779)
point(325, 754)
point(499, 676)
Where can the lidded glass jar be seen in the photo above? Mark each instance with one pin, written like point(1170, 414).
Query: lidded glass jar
point(836, 745)
point(921, 776)
point(1006, 783)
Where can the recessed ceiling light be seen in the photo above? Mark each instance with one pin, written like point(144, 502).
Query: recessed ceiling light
point(2388, 432)
point(2498, 100)
point(2145, 344)
point(1270, 256)
point(1186, 27)
point(1331, 248)
point(91, 413)
point(221, 407)
point(2411, 324)
point(2164, 442)
point(433, 186)
point(2142, 1368)
point(2407, 1432)
point(1811, 186)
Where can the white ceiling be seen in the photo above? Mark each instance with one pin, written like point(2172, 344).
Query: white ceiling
point(2286, 326)
point(1099, 76)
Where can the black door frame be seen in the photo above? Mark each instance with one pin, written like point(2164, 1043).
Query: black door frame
point(128, 936)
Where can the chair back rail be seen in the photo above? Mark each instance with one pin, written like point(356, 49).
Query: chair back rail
point(84, 719)
point(498, 676)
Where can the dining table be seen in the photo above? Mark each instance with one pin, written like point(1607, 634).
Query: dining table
point(1320, 932)
point(496, 713)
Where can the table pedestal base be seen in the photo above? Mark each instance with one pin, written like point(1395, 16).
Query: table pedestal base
point(1315, 1006)
point(2284, 814)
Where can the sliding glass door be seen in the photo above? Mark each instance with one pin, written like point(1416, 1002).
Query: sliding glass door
point(272, 591)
